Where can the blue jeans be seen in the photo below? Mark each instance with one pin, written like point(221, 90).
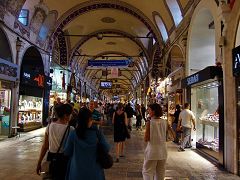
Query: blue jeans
point(177, 134)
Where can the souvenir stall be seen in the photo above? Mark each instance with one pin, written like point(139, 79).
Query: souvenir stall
point(174, 91)
point(204, 90)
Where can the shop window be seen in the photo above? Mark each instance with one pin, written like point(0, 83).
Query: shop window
point(175, 11)
point(162, 28)
point(23, 16)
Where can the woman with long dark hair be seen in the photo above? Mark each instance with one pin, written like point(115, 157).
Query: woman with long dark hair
point(81, 147)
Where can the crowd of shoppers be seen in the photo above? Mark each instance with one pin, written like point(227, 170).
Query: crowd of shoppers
point(74, 131)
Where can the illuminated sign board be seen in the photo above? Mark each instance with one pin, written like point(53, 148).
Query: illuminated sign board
point(31, 78)
point(105, 84)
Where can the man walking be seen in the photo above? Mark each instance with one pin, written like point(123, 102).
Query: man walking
point(186, 119)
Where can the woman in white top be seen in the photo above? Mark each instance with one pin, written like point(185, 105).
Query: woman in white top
point(156, 151)
point(54, 134)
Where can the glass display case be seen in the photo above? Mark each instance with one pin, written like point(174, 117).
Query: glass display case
point(204, 101)
point(30, 112)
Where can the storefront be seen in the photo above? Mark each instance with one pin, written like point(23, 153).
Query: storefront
point(31, 91)
point(9, 74)
point(236, 73)
point(204, 90)
point(174, 90)
point(59, 83)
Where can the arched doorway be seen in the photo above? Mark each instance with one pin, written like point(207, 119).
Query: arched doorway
point(201, 49)
point(174, 73)
point(31, 90)
point(204, 86)
point(5, 50)
point(9, 73)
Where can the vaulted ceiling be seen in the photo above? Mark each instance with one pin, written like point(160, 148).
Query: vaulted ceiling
point(128, 28)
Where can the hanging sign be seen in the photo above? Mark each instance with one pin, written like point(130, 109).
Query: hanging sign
point(114, 72)
point(8, 70)
point(108, 63)
point(73, 81)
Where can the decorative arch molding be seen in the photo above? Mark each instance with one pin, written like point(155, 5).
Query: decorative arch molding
point(88, 6)
point(169, 11)
point(212, 7)
point(5, 47)
point(33, 48)
point(109, 31)
point(154, 14)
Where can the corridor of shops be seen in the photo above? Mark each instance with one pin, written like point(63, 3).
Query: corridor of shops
point(22, 154)
point(165, 53)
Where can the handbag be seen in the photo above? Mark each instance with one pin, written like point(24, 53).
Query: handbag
point(127, 133)
point(58, 161)
point(103, 157)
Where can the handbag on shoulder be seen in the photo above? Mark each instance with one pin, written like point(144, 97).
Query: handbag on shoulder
point(103, 157)
point(58, 161)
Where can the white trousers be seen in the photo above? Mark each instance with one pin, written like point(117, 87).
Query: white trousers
point(154, 169)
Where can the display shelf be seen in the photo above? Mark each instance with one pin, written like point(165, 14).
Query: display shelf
point(210, 123)
point(30, 110)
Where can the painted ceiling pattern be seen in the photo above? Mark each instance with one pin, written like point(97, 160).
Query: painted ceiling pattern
point(83, 30)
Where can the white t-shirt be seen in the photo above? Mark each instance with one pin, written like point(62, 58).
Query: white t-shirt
point(55, 133)
point(186, 116)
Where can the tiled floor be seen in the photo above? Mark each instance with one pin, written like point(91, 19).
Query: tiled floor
point(18, 159)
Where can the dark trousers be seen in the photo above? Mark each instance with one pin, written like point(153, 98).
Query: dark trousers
point(138, 123)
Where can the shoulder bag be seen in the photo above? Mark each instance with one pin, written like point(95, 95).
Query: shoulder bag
point(103, 157)
point(58, 161)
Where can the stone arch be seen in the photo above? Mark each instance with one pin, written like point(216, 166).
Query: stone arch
point(109, 31)
point(175, 58)
point(202, 37)
point(6, 51)
point(107, 4)
point(32, 57)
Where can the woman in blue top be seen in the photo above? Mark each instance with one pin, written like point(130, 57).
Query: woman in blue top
point(81, 147)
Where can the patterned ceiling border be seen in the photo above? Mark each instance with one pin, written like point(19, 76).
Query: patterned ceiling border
point(92, 5)
point(62, 49)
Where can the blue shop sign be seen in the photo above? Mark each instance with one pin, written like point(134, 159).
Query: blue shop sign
point(236, 61)
point(108, 63)
point(192, 79)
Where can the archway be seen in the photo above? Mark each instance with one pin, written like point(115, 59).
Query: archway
point(31, 90)
point(5, 50)
point(8, 74)
point(201, 51)
point(174, 72)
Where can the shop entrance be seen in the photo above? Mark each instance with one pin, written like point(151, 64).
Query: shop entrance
point(31, 89)
point(6, 84)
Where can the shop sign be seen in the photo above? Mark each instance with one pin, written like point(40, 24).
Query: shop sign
point(48, 82)
point(236, 61)
point(193, 79)
point(108, 63)
point(33, 79)
point(8, 70)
